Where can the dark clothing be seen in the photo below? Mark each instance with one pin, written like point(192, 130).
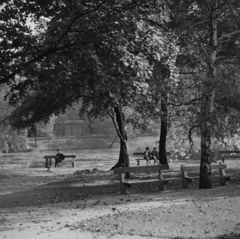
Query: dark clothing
point(154, 155)
point(58, 159)
point(61, 156)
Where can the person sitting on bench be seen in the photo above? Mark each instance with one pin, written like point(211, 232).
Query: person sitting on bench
point(147, 154)
point(59, 158)
point(154, 155)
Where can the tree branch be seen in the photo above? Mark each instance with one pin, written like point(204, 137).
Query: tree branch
point(76, 18)
point(186, 103)
point(52, 49)
point(228, 35)
point(37, 58)
point(220, 6)
point(157, 24)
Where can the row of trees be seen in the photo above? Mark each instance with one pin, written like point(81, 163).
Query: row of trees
point(9, 140)
point(174, 60)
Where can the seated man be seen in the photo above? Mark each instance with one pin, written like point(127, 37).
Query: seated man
point(154, 155)
point(59, 157)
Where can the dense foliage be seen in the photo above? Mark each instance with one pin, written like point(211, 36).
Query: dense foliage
point(96, 50)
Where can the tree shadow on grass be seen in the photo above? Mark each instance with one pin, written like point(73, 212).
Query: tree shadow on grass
point(43, 187)
point(71, 189)
point(84, 191)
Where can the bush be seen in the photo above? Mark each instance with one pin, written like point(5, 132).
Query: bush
point(139, 144)
point(180, 150)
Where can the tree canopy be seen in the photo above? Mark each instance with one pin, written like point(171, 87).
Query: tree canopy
point(98, 51)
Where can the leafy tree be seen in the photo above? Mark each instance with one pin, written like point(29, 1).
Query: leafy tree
point(89, 50)
point(208, 35)
point(10, 140)
point(161, 51)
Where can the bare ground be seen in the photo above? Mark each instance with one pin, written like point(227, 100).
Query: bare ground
point(70, 203)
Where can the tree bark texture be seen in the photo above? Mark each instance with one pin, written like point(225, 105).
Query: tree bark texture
point(207, 106)
point(123, 160)
point(162, 76)
point(205, 128)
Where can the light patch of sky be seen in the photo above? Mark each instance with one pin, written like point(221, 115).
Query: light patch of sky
point(30, 23)
point(2, 6)
point(33, 25)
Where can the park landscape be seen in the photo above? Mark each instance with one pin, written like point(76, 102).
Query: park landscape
point(103, 80)
point(84, 202)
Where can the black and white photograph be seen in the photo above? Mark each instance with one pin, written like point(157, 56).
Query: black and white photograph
point(120, 119)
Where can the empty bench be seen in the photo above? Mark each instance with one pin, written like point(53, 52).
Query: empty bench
point(186, 179)
point(48, 160)
point(229, 154)
point(126, 183)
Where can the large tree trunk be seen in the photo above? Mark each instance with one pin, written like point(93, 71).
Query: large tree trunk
point(123, 160)
point(162, 75)
point(205, 128)
point(207, 107)
point(163, 132)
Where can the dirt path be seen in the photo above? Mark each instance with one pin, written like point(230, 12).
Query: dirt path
point(59, 204)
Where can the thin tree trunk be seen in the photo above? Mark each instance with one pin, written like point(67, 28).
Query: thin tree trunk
point(163, 132)
point(35, 134)
point(207, 107)
point(112, 143)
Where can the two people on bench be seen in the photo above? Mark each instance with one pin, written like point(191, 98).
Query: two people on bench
point(148, 155)
point(59, 158)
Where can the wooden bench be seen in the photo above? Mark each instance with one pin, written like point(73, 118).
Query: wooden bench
point(229, 154)
point(141, 158)
point(126, 183)
point(186, 179)
point(49, 158)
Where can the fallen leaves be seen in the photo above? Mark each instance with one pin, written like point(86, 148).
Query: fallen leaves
point(178, 211)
